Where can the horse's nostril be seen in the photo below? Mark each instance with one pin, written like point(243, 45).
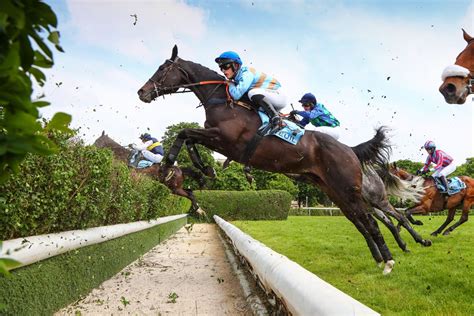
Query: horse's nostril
point(450, 88)
point(140, 92)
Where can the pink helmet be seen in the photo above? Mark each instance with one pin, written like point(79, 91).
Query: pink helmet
point(429, 144)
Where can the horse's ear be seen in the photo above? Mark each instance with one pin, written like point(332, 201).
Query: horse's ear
point(395, 165)
point(466, 36)
point(174, 54)
point(103, 133)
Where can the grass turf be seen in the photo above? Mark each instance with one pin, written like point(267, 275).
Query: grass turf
point(436, 280)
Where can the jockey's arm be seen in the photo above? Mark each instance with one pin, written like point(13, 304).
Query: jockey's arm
point(243, 84)
point(142, 146)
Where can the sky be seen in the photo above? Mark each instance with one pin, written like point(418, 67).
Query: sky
point(371, 63)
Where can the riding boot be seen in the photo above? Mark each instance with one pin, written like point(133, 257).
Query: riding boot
point(444, 182)
point(275, 119)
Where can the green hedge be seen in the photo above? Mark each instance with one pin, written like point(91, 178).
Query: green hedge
point(245, 205)
point(47, 286)
point(80, 187)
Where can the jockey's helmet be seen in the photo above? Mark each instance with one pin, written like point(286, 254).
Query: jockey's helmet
point(227, 58)
point(308, 98)
point(429, 145)
point(145, 136)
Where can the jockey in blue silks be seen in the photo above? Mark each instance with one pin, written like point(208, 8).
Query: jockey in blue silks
point(262, 89)
point(151, 148)
point(317, 114)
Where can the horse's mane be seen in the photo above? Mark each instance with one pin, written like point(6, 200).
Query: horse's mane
point(202, 68)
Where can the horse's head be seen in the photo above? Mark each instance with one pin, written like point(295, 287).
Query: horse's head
point(165, 80)
point(459, 78)
point(400, 173)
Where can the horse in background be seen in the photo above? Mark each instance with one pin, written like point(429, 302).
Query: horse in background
point(171, 176)
point(434, 201)
point(458, 79)
point(317, 158)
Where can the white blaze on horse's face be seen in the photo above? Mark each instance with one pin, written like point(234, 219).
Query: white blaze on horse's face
point(458, 79)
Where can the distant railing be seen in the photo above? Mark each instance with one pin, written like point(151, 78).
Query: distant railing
point(335, 211)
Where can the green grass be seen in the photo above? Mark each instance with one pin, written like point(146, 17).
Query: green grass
point(436, 280)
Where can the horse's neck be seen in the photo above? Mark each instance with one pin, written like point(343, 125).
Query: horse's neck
point(198, 73)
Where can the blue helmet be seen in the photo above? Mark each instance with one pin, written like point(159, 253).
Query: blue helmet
point(145, 136)
point(308, 98)
point(228, 57)
point(429, 145)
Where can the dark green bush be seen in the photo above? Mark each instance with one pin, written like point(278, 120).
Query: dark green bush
point(245, 205)
point(80, 187)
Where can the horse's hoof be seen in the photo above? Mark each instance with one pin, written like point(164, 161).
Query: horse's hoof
point(388, 267)
point(434, 234)
point(210, 172)
point(201, 212)
point(446, 233)
point(406, 251)
point(427, 243)
point(418, 223)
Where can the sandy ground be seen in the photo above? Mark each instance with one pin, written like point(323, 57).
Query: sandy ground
point(188, 274)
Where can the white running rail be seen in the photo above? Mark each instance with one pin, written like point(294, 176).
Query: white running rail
point(302, 292)
point(32, 249)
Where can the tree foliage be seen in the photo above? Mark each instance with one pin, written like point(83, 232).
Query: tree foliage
point(23, 53)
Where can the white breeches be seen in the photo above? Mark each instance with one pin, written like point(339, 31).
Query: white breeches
point(276, 97)
point(155, 158)
point(446, 171)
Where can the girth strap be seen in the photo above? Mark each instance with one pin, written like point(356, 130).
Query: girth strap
point(252, 145)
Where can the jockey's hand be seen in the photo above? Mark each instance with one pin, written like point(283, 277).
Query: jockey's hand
point(293, 113)
point(130, 146)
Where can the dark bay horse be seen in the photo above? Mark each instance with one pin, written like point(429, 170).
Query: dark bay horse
point(317, 157)
point(171, 176)
point(434, 201)
point(458, 79)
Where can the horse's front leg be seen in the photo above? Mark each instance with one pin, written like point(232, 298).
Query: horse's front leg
point(195, 135)
point(197, 160)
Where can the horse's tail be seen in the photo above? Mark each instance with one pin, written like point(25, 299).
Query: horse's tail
point(407, 190)
point(375, 152)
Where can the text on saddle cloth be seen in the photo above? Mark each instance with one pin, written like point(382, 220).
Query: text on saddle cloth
point(290, 133)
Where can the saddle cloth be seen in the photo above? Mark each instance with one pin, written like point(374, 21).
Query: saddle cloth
point(290, 133)
point(454, 185)
point(136, 160)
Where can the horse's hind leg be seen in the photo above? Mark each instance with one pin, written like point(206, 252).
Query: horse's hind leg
point(389, 224)
point(403, 221)
point(462, 220)
point(449, 219)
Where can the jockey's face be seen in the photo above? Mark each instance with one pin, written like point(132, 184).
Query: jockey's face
point(430, 150)
point(228, 70)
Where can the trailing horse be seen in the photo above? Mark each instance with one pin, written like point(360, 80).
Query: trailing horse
point(316, 158)
point(458, 79)
point(434, 201)
point(171, 176)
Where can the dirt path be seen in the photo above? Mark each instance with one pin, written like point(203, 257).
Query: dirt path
point(188, 274)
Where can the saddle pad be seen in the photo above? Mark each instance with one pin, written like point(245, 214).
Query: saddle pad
point(291, 133)
point(455, 185)
point(144, 164)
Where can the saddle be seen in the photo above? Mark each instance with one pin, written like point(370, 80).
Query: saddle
point(137, 161)
point(455, 185)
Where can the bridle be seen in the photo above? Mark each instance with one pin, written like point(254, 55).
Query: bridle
point(160, 89)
